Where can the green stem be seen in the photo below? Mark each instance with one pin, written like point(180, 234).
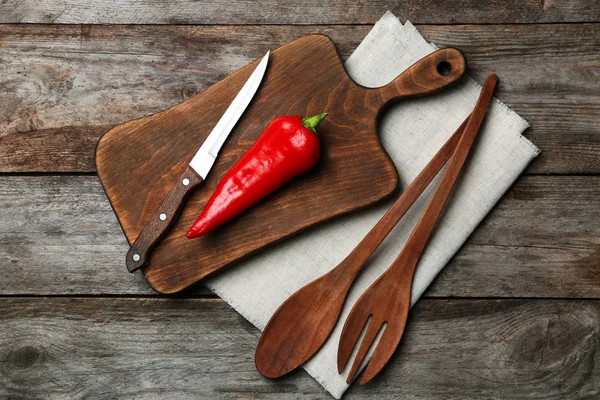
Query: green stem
point(312, 122)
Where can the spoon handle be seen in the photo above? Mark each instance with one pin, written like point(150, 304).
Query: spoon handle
point(410, 254)
point(363, 251)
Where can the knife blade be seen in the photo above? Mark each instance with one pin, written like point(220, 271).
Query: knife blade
point(195, 173)
point(206, 156)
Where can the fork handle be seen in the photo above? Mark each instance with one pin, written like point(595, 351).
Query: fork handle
point(407, 260)
point(367, 246)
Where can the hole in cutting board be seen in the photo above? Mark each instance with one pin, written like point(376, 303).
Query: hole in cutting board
point(444, 68)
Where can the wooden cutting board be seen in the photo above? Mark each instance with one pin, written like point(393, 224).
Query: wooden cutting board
point(138, 162)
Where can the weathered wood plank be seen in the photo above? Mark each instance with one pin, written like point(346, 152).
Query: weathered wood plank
point(58, 235)
point(143, 348)
point(555, 85)
point(63, 86)
point(295, 12)
point(546, 211)
point(61, 232)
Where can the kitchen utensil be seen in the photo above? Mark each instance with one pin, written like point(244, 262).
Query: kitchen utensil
point(385, 304)
point(302, 324)
point(195, 173)
point(140, 160)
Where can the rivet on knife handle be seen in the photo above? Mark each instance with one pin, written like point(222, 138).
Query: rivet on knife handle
point(162, 220)
point(430, 74)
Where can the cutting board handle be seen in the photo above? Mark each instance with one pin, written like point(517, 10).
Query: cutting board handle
point(431, 73)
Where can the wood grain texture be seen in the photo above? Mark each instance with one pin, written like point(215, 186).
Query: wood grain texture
point(140, 161)
point(59, 236)
point(63, 86)
point(148, 348)
point(294, 12)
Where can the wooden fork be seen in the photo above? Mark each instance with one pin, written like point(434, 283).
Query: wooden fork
point(386, 302)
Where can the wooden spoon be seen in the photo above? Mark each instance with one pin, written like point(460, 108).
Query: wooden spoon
point(303, 322)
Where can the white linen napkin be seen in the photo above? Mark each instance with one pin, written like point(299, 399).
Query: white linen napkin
point(412, 132)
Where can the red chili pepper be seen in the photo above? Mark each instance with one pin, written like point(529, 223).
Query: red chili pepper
point(286, 148)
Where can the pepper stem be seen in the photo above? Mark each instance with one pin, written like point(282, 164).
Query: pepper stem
point(312, 122)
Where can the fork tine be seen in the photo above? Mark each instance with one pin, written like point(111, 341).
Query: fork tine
point(372, 331)
point(354, 325)
point(385, 349)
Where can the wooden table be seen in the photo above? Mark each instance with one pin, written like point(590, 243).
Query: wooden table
point(516, 314)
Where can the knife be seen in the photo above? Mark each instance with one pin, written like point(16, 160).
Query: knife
point(194, 174)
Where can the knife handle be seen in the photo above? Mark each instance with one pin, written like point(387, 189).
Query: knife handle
point(431, 73)
point(139, 252)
